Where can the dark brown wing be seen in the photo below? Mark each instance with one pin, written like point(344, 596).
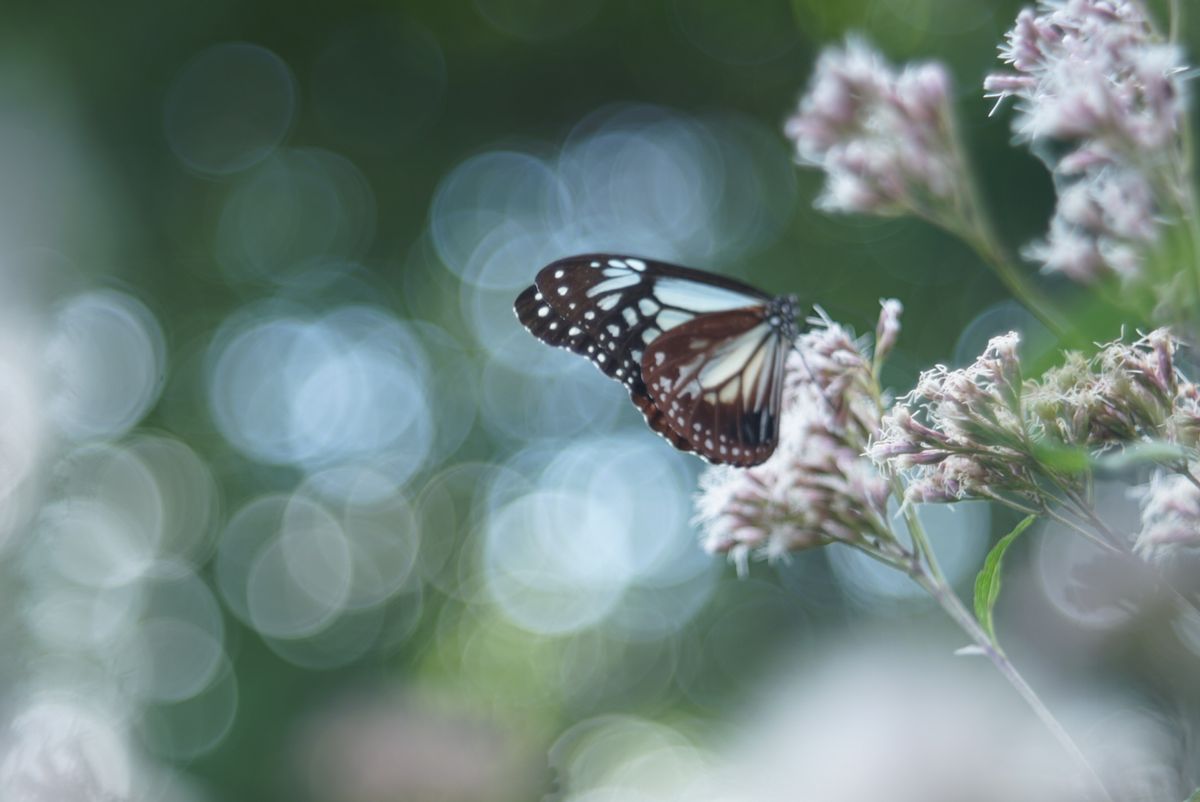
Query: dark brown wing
point(718, 380)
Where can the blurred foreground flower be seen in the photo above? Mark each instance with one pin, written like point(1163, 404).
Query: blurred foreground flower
point(55, 751)
point(378, 747)
point(1170, 513)
point(823, 720)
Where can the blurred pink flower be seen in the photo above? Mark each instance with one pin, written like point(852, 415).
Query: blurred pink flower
point(1170, 513)
point(888, 329)
point(883, 138)
point(1096, 75)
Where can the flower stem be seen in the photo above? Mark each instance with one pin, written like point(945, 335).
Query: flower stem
point(985, 243)
point(949, 601)
point(975, 228)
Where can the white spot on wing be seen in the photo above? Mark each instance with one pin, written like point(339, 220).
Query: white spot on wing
point(630, 316)
point(608, 302)
point(562, 290)
point(636, 264)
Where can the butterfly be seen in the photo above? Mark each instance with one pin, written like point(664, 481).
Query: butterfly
point(701, 355)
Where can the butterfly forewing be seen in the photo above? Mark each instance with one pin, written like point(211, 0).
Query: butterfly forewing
point(718, 380)
point(608, 308)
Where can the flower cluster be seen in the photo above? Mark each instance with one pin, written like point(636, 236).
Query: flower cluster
point(1096, 75)
point(962, 430)
point(983, 431)
point(818, 487)
point(884, 139)
point(1124, 394)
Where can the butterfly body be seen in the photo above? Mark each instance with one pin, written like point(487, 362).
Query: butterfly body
point(701, 355)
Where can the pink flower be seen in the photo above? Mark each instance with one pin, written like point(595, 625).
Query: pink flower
point(1095, 74)
point(818, 487)
point(882, 137)
point(1170, 513)
point(888, 329)
point(982, 431)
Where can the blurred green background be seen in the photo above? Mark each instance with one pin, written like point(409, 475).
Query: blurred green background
point(291, 508)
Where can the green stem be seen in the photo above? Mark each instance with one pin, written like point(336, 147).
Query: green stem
point(986, 244)
point(1091, 536)
point(975, 228)
point(902, 565)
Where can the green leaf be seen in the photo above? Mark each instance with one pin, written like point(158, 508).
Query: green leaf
point(1140, 453)
point(987, 584)
point(1066, 459)
point(1195, 797)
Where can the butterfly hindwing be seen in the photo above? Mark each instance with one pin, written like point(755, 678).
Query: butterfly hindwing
point(718, 379)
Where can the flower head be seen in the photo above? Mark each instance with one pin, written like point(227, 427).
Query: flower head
point(1091, 70)
point(1095, 75)
point(888, 329)
point(960, 430)
point(882, 137)
point(1124, 394)
point(818, 487)
point(983, 432)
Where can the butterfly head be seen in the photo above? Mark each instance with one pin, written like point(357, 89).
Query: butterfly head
point(782, 315)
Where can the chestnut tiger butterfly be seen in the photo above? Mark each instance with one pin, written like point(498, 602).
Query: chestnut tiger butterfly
point(701, 355)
